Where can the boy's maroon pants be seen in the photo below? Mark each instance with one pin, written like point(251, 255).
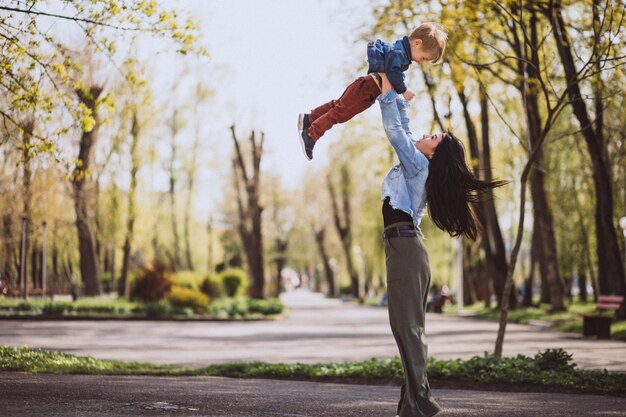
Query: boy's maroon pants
point(359, 96)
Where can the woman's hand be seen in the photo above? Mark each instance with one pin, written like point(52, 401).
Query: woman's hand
point(386, 83)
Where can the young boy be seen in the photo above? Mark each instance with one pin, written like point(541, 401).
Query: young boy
point(426, 43)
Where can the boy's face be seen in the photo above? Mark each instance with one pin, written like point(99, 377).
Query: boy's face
point(419, 54)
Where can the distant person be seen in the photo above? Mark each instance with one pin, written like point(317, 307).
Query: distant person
point(432, 171)
point(426, 43)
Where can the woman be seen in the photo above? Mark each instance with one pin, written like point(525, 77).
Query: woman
point(433, 172)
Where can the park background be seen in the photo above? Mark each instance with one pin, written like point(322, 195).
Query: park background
point(150, 140)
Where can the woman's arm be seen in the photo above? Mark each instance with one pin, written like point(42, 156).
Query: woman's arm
point(411, 159)
point(394, 119)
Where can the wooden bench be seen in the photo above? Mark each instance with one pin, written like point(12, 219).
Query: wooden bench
point(598, 324)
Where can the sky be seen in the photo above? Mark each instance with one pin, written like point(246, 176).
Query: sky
point(269, 61)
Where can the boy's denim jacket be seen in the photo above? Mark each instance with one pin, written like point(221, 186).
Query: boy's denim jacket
point(392, 59)
point(405, 183)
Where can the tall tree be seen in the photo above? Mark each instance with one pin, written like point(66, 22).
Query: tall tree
point(343, 223)
point(607, 22)
point(81, 183)
point(247, 178)
point(27, 129)
point(176, 259)
point(320, 239)
point(201, 94)
point(123, 289)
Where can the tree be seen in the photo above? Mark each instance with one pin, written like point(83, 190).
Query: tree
point(247, 178)
point(606, 25)
point(320, 238)
point(343, 223)
point(89, 266)
point(124, 289)
point(175, 257)
point(32, 48)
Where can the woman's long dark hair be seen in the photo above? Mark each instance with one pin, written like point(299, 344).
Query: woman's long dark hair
point(452, 189)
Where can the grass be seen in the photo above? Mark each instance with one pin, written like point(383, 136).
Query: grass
point(551, 369)
point(567, 321)
point(224, 308)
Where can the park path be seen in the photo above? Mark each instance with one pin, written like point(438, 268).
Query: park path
point(314, 329)
point(46, 395)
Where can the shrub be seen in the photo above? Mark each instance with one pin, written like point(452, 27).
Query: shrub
point(554, 359)
point(154, 309)
point(153, 283)
point(184, 297)
point(187, 279)
point(58, 308)
point(233, 280)
point(266, 307)
point(212, 287)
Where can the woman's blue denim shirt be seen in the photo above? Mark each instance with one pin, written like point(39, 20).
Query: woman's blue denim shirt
point(405, 183)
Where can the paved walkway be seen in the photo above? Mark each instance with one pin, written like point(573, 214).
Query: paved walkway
point(35, 395)
point(314, 330)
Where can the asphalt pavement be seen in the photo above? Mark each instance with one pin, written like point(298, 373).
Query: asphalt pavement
point(45, 395)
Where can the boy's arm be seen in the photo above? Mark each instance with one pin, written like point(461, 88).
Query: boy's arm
point(393, 69)
point(412, 160)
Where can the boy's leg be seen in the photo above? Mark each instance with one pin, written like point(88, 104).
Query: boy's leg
point(357, 97)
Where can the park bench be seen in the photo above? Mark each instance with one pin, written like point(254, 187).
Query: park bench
point(599, 324)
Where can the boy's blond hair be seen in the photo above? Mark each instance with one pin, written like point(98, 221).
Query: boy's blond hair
point(433, 37)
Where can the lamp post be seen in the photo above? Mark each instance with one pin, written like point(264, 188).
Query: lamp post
point(622, 224)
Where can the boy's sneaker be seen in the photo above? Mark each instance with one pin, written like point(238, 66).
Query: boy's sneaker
point(303, 133)
point(307, 144)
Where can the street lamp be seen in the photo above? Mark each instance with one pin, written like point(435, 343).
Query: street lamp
point(622, 224)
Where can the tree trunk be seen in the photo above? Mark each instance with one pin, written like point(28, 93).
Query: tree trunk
point(491, 238)
point(89, 266)
point(582, 285)
point(9, 269)
point(529, 282)
point(123, 289)
point(209, 230)
point(176, 256)
point(250, 210)
point(343, 225)
point(191, 176)
point(320, 236)
point(28, 128)
point(547, 250)
point(610, 266)
point(281, 250)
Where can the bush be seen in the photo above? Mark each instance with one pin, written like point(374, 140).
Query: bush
point(153, 283)
point(154, 309)
point(266, 307)
point(58, 308)
point(184, 297)
point(187, 279)
point(233, 280)
point(554, 359)
point(212, 287)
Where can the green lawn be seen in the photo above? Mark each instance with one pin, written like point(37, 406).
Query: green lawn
point(223, 308)
point(552, 368)
point(567, 321)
